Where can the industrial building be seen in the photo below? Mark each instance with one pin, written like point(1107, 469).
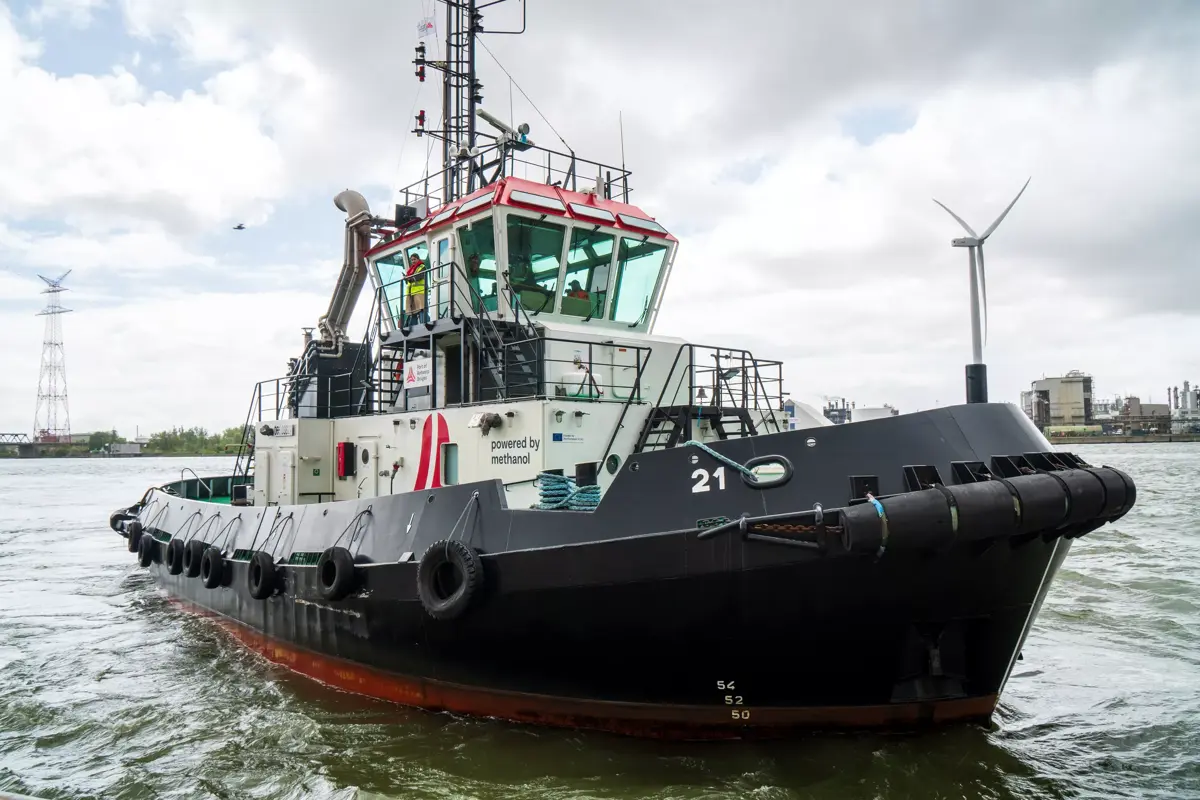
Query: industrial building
point(1057, 402)
point(1185, 411)
point(1065, 406)
point(839, 411)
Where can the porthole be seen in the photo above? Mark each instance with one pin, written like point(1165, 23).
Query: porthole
point(612, 464)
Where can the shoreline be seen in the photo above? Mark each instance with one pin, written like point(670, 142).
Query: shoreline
point(1150, 438)
point(14, 456)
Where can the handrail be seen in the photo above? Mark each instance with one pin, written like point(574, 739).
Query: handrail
point(456, 269)
point(747, 398)
point(492, 343)
point(610, 177)
point(198, 480)
point(247, 433)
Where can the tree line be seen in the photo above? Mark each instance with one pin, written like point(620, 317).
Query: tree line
point(195, 440)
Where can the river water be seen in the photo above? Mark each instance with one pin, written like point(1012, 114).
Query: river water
point(107, 691)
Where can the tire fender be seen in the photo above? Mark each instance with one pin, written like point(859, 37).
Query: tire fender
point(193, 554)
point(146, 546)
point(262, 577)
point(174, 556)
point(336, 577)
point(212, 568)
point(449, 576)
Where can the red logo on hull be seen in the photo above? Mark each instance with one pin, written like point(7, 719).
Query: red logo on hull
point(434, 434)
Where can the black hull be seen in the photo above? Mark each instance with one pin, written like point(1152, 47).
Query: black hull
point(646, 632)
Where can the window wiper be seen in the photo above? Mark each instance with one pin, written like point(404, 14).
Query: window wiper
point(638, 321)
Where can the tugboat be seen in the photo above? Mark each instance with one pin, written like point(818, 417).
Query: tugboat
point(513, 499)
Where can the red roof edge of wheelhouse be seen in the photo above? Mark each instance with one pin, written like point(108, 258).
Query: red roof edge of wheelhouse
point(503, 190)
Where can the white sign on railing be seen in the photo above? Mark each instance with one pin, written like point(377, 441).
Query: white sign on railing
point(418, 372)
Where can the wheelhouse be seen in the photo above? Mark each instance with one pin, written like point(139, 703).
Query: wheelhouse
point(518, 248)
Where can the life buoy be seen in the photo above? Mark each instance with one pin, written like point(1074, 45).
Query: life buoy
point(448, 577)
point(335, 573)
point(133, 531)
point(211, 567)
point(145, 549)
point(262, 577)
point(174, 558)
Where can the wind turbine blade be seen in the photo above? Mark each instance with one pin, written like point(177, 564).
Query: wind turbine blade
point(1000, 218)
point(983, 291)
point(958, 218)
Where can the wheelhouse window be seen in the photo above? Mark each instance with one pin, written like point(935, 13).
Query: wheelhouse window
point(391, 279)
point(638, 265)
point(534, 257)
point(419, 250)
point(442, 266)
point(478, 246)
point(586, 281)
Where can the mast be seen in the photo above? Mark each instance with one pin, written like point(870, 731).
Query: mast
point(461, 95)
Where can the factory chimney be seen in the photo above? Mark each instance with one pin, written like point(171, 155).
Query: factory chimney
point(1189, 399)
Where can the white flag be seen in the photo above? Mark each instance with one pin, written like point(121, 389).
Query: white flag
point(425, 27)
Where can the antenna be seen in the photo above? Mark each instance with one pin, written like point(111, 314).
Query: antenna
point(621, 127)
point(977, 370)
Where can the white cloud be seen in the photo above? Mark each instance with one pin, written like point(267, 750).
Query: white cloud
point(15, 287)
point(185, 359)
point(150, 249)
point(834, 257)
point(78, 13)
point(100, 148)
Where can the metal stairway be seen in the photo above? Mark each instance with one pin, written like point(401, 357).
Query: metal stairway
point(732, 395)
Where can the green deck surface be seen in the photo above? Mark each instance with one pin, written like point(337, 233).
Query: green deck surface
point(224, 501)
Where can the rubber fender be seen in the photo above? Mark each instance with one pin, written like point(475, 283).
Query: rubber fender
point(1119, 492)
point(335, 573)
point(212, 567)
point(133, 531)
point(147, 544)
point(449, 577)
point(1044, 502)
point(193, 554)
point(174, 558)
point(1086, 491)
point(262, 578)
point(986, 510)
point(862, 529)
point(922, 520)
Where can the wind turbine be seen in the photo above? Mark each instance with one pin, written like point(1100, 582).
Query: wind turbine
point(977, 370)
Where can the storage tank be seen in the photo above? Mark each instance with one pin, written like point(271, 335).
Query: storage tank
point(864, 413)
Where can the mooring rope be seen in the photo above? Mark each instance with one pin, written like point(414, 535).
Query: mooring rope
point(723, 459)
point(559, 491)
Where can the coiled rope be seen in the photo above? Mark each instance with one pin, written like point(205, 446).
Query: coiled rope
point(749, 473)
point(559, 491)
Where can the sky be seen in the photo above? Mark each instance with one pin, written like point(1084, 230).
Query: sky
point(793, 147)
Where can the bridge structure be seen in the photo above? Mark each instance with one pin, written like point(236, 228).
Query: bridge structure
point(26, 445)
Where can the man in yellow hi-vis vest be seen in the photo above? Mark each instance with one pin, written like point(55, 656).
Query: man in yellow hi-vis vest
point(415, 292)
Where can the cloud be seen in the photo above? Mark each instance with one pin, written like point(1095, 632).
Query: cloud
point(795, 147)
point(191, 358)
point(78, 13)
point(16, 288)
